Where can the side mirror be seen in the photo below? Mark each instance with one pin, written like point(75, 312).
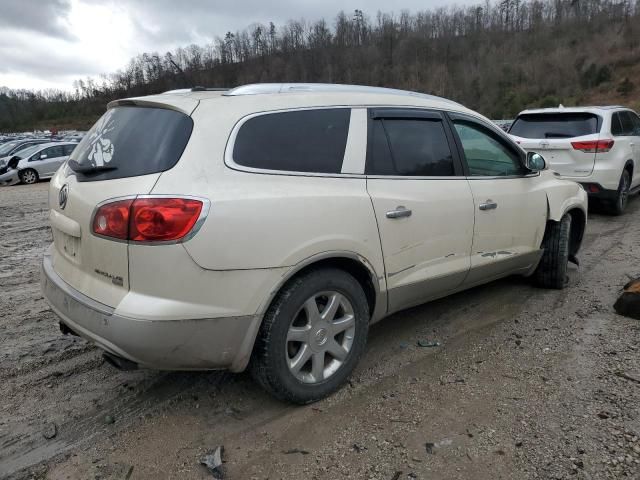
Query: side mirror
point(535, 162)
point(44, 155)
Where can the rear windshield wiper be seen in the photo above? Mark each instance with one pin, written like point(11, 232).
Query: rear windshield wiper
point(76, 167)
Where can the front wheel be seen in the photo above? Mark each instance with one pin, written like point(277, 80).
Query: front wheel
point(552, 269)
point(28, 176)
point(312, 336)
point(620, 202)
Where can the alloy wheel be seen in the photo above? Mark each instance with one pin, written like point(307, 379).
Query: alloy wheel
point(320, 337)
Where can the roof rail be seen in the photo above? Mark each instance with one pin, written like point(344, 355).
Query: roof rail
point(196, 89)
point(266, 88)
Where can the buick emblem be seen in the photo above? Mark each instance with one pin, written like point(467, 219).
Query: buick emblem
point(63, 195)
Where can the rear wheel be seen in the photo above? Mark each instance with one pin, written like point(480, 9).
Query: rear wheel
point(552, 270)
point(312, 336)
point(28, 176)
point(620, 203)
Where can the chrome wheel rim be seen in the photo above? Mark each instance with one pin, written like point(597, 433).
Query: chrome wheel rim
point(29, 177)
point(320, 337)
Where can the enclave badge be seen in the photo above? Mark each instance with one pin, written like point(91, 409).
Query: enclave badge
point(63, 195)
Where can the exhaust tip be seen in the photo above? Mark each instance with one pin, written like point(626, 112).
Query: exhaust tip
point(119, 362)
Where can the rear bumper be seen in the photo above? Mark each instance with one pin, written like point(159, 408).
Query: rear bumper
point(597, 191)
point(202, 344)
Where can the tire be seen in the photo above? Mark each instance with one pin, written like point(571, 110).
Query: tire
point(618, 205)
point(552, 269)
point(288, 354)
point(28, 176)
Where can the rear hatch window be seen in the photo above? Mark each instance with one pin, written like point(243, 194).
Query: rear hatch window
point(555, 125)
point(129, 141)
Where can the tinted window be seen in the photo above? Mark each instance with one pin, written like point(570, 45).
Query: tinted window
point(486, 153)
point(409, 147)
point(636, 123)
point(134, 140)
point(68, 149)
point(301, 141)
point(555, 125)
point(616, 124)
point(54, 152)
point(627, 123)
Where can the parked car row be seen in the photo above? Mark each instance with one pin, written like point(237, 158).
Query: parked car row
point(28, 161)
point(271, 225)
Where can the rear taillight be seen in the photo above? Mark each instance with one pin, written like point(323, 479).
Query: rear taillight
point(112, 219)
point(593, 146)
point(147, 219)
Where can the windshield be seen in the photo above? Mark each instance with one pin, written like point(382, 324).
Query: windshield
point(6, 148)
point(27, 151)
point(555, 125)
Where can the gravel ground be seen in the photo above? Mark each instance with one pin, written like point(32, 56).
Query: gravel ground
point(527, 383)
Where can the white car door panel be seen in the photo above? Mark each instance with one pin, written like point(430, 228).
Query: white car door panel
point(510, 203)
point(422, 204)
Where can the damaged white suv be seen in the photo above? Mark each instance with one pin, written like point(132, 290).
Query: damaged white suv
point(269, 225)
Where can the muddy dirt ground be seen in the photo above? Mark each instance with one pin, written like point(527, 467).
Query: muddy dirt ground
point(527, 383)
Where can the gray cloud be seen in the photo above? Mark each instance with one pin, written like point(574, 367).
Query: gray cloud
point(36, 43)
point(47, 17)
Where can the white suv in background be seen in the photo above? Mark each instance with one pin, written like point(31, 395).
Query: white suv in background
point(269, 225)
point(598, 147)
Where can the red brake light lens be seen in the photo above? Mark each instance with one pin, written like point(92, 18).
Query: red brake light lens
point(147, 219)
point(593, 146)
point(162, 219)
point(112, 219)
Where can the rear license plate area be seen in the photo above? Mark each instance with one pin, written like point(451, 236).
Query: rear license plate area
point(68, 245)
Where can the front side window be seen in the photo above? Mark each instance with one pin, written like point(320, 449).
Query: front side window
point(312, 141)
point(487, 155)
point(409, 147)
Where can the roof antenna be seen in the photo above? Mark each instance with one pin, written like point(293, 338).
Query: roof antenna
point(561, 106)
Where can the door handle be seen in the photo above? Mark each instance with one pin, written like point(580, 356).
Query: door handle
point(399, 212)
point(488, 205)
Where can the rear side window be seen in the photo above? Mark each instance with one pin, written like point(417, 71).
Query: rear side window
point(311, 141)
point(409, 147)
point(68, 149)
point(131, 141)
point(622, 124)
point(555, 125)
point(54, 152)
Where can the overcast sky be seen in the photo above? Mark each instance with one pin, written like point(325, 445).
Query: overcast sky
point(51, 43)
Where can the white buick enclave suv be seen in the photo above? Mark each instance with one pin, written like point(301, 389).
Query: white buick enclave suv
point(598, 147)
point(269, 225)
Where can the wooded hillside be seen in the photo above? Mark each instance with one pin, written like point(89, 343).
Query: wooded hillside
point(497, 58)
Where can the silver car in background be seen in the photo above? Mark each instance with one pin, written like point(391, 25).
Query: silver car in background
point(34, 163)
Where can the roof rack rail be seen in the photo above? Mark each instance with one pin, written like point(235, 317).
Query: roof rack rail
point(196, 89)
point(208, 89)
point(270, 88)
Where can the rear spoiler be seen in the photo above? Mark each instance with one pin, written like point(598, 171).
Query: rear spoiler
point(179, 103)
